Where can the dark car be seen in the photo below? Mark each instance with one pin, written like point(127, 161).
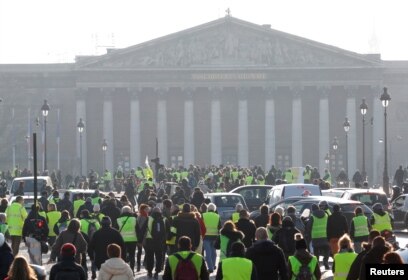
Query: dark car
point(369, 197)
point(400, 211)
point(254, 195)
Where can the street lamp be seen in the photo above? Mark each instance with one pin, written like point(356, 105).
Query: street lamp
point(363, 110)
point(327, 160)
point(385, 101)
point(104, 148)
point(45, 108)
point(346, 126)
point(80, 127)
point(335, 145)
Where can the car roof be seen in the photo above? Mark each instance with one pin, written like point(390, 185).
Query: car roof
point(221, 194)
point(31, 177)
point(365, 191)
point(249, 186)
point(298, 184)
point(331, 199)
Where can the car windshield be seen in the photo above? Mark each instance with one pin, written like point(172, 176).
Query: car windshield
point(227, 201)
point(370, 198)
point(29, 185)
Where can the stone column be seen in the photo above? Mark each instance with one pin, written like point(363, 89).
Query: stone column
point(378, 132)
point(352, 135)
point(243, 128)
point(108, 128)
point(324, 129)
point(135, 157)
point(297, 151)
point(216, 155)
point(162, 126)
point(270, 140)
point(81, 113)
point(189, 148)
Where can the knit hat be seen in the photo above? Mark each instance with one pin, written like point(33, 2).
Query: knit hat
point(68, 250)
point(300, 242)
point(106, 221)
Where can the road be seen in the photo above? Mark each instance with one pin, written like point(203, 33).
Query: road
point(142, 275)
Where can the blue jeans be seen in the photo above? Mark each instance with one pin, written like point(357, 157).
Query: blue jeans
point(210, 253)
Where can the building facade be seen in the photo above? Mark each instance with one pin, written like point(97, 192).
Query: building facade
point(225, 92)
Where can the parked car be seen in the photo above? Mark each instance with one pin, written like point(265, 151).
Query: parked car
point(226, 203)
point(399, 210)
point(254, 195)
point(335, 192)
point(42, 182)
point(369, 197)
point(74, 192)
point(283, 203)
point(28, 201)
point(280, 192)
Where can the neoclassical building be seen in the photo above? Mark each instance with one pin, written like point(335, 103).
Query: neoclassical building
point(227, 91)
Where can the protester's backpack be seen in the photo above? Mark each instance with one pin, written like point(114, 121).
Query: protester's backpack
point(185, 269)
point(304, 272)
point(91, 229)
point(158, 231)
point(67, 273)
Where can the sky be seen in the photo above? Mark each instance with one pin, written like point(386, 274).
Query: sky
point(55, 31)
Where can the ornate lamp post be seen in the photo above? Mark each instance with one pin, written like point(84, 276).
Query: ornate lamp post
point(363, 110)
point(45, 108)
point(80, 127)
point(385, 101)
point(104, 149)
point(327, 161)
point(335, 145)
point(346, 126)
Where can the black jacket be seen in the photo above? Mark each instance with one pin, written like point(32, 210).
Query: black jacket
point(101, 239)
point(268, 259)
point(112, 212)
point(336, 225)
point(248, 228)
point(86, 206)
point(285, 238)
point(6, 258)
point(354, 271)
point(262, 220)
point(67, 263)
point(186, 224)
point(65, 204)
point(374, 256)
point(37, 229)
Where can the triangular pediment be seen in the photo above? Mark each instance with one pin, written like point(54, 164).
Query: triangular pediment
point(229, 42)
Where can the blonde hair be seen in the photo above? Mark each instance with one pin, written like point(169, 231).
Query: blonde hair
point(345, 242)
point(20, 270)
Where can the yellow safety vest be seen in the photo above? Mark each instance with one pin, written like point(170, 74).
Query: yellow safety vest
point(319, 227)
point(85, 224)
point(16, 214)
point(211, 221)
point(235, 217)
point(382, 222)
point(288, 177)
point(343, 262)
point(296, 265)
point(236, 268)
point(52, 218)
point(197, 261)
point(360, 226)
point(78, 203)
point(127, 228)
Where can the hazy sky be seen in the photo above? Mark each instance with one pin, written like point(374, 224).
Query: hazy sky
point(43, 31)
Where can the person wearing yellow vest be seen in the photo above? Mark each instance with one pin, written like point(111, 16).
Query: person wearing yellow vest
point(16, 214)
point(316, 229)
point(3, 226)
point(53, 217)
point(78, 202)
point(307, 174)
point(96, 213)
point(54, 199)
point(127, 228)
point(185, 253)
point(236, 266)
point(327, 176)
point(228, 235)
point(359, 229)
point(288, 176)
point(303, 257)
point(235, 215)
point(107, 179)
point(89, 226)
point(212, 223)
point(343, 260)
point(381, 220)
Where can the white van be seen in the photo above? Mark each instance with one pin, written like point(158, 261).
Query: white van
point(280, 192)
point(42, 182)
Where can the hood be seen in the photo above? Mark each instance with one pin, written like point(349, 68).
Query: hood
point(114, 266)
point(156, 215)
point(264, 246)
point(234, 235)
point(287, 224)
point(319, 213)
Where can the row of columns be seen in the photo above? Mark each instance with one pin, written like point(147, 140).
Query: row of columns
point(216, 133)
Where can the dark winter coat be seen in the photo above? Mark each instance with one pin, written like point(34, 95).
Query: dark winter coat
point(186, 224)
point(248, 228)
point(373, 256)
point(336, 225)
point(65, 204)
point(285, 238)
point(113, 213)
point(30, 227)
point(305, 257)
point(197, 199)
point(69, 237)
point(67, 262)
point(101, 239)
point(6, 258)
point(354, 271)
point(86, 206)
point(268, 259)
point(262, 220)
point(233, 236)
